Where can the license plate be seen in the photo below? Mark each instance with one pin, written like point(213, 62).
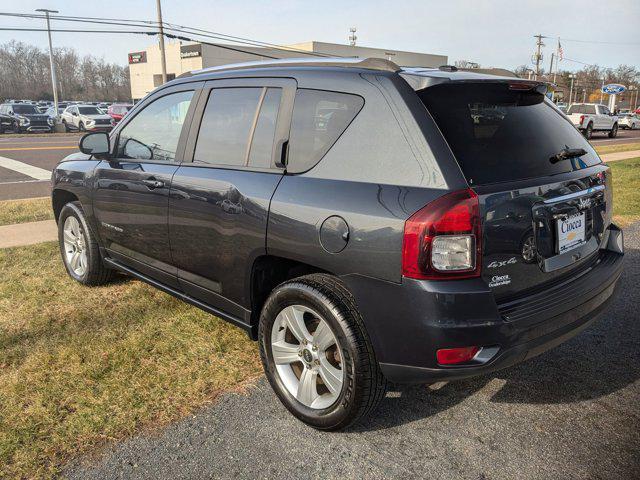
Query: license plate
point(570, 233)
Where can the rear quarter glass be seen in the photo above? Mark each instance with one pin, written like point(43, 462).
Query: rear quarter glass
point(501, 135)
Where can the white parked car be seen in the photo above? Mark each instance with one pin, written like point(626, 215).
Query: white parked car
point(85, 117)
point(593, 117)
point(629, 120)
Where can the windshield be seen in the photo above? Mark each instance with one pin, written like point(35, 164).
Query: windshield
point(24, 109)
point(582, 108)
point(89, 111)
point(498, 134)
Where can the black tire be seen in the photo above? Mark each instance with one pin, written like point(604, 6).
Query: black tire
point(613, 133)
point(16, 128)
point(96, 272)
point(364, 385)
point(66, 126)
point(81, 127)
point(588, 133)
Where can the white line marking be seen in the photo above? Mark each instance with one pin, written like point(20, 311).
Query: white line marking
point(22, 181)
point(24, 168)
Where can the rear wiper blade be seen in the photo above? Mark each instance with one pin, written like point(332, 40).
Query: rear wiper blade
point(567, 153)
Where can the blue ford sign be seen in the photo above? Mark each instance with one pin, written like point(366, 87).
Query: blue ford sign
point(613, 89)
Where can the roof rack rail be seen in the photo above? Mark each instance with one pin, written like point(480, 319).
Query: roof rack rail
point(448, 68)
point(368, 63)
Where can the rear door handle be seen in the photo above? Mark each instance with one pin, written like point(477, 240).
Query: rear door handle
point(152, 183)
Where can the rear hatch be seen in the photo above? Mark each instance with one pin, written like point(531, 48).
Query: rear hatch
point(543, 215)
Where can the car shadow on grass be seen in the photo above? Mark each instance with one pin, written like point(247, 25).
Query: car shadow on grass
point(599, 361)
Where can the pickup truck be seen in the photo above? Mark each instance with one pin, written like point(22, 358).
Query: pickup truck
point(593, 117)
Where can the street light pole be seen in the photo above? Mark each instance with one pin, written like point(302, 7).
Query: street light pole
point(163, 58)
point(54, 82)
point(602, 90)
point(571, 76)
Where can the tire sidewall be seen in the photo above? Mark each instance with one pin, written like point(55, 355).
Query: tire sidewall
point(589, 131)
point(303, 294)
point(73, 209)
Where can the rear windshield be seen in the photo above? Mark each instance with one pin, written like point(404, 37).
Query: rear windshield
point(499, 135)
point(581, 108)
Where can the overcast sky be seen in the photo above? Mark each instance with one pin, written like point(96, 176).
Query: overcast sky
point(491, 32)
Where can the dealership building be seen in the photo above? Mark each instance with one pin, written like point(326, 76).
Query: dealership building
point(146, 72)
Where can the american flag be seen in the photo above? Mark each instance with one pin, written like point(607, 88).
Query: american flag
point(560, 51)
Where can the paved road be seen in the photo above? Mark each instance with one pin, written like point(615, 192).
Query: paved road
point(571, 413)
point(40, 152)
point(624, 136)
point(46, 152)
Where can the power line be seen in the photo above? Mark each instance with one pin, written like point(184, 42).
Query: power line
point(66, 30)
point(175, 28)
point(168, 35)
point(599, 42)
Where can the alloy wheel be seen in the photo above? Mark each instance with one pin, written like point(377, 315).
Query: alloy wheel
point(75, 246)
point(529, 249)
point(307, 357)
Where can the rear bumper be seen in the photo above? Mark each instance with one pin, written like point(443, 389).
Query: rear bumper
point(409, 322)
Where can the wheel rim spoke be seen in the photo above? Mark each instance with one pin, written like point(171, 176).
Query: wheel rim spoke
point(307, 387)
point(284, 353)
point(294, 318)
point(323, 337)
point(69, 236)
point(75, 258)
point(331, 376)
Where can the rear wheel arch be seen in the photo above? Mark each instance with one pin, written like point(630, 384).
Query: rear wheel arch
point(269, 271)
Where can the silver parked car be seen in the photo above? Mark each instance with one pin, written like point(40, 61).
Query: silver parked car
point(85, 117)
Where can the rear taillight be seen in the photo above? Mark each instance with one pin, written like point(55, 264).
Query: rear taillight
point(443, 239)
point(581, 119)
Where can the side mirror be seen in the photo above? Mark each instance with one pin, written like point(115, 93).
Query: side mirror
point(96, 143)
point(75, 114)
point(138, 150)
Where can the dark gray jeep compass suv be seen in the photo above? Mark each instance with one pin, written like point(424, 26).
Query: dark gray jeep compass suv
point(365, 223)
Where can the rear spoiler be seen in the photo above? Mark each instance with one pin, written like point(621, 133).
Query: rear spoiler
point(420, 82)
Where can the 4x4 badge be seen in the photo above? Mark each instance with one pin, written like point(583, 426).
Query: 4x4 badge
point(502, 263)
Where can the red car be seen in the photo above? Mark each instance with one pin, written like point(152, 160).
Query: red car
point(118, 111)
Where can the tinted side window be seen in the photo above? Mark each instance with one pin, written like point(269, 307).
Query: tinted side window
point(226, 124)
point(263, 136)
point(153, 134)
point(319, 118)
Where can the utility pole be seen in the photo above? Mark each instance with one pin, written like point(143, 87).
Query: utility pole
point(54, 82)
point(537, 57)
point(551, 66)
point(352, 36)
point(601, 90)
point(163, 58)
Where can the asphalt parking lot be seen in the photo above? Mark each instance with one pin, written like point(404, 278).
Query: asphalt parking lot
point(571, 413)
point(46, 151)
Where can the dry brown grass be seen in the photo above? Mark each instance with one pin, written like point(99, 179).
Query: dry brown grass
point(27, 210)
point(83, 366)
point(626, 191)
point(622, 147)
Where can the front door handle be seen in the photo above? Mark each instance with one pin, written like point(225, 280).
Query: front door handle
point(152, 183)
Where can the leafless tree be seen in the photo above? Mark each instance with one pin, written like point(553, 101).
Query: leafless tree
point(24, 70)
